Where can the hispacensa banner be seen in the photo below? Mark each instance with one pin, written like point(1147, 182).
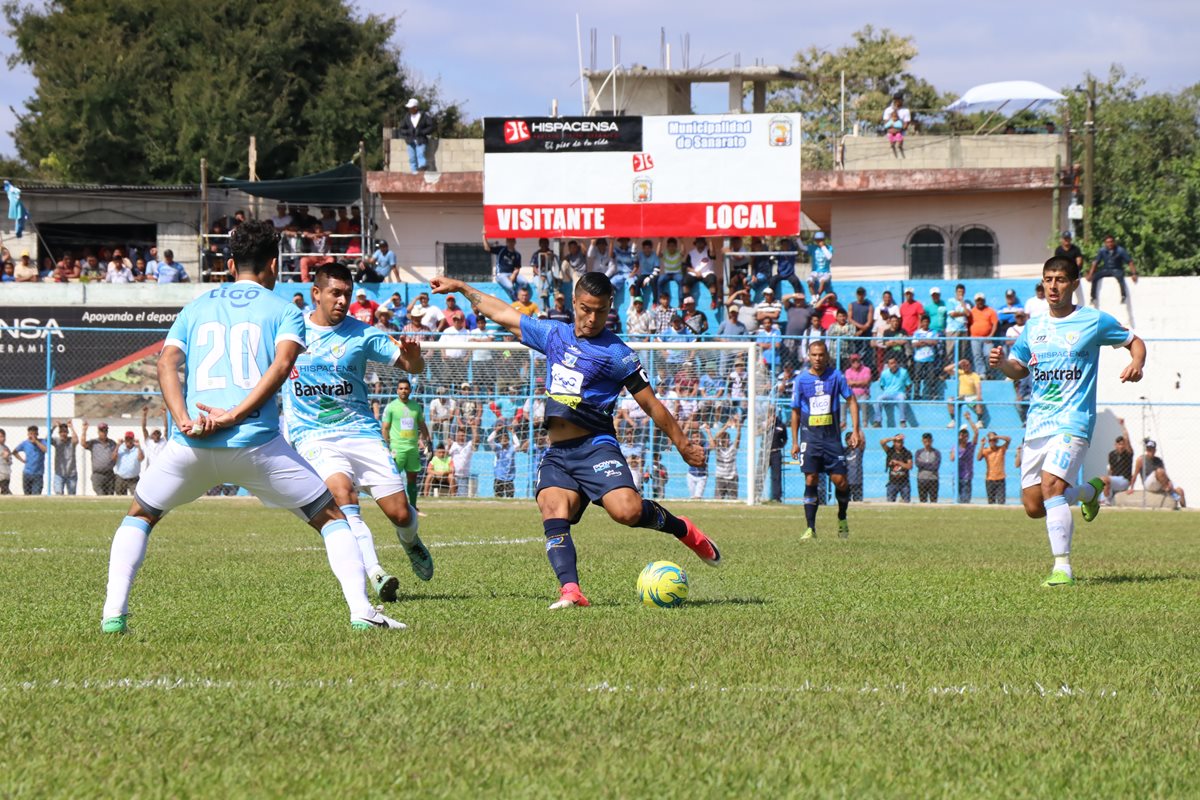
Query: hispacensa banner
point(556, 177)
point(76, 344)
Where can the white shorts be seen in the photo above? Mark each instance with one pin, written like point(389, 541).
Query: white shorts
point(366, 461)
point(1061, 454)
point(272, 472)
point(1119, 483)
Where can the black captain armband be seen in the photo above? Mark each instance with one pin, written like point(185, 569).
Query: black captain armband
point(637, 380)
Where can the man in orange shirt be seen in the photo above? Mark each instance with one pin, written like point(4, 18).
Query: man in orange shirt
point(995, 452)
point(981, 325)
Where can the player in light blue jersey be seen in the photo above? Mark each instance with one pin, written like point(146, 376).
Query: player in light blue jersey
point(1060, 352)
point(330, 423)
point(237, 344)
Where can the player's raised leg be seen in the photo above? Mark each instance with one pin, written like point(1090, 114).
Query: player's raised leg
point(344, 494)
point(628, 507)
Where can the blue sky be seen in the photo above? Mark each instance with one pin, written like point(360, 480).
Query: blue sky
point(514, 56)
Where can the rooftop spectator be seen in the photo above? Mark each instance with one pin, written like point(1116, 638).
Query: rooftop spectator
point(1110, 262)
point(416, 128)
point(896, 121)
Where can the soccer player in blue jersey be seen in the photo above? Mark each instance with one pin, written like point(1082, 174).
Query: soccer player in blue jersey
point(1060, 351)
point(587, 366)
point(817, 397)
point(329, 420)
point(237, 344)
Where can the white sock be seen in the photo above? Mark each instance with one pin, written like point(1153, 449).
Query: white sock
point(1063, 563)
point(1084, 492)
point(1059, 527)
point(408, 534)
point(128, 551)
point(366, 542)
point(346, 563)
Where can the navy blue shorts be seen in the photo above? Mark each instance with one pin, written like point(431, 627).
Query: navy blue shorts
point(592, 466)
point(822, 455)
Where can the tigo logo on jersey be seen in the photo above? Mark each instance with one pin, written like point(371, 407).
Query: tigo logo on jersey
point(516, 131)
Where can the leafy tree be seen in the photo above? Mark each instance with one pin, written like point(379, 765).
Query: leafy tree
point(876, 65)
point(1147, 174)
point(137, 91)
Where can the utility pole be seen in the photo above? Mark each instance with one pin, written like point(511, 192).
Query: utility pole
point(203, 217)
point(1089, 160)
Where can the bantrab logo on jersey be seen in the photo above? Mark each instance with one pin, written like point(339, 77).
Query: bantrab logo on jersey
point(341, 389)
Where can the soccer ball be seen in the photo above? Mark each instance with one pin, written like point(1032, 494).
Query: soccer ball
point(662, 584)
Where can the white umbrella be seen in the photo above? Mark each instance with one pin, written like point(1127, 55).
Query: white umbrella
point(994, 97)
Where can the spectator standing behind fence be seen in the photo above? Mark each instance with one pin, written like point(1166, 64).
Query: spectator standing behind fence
point(1110, 262)
point(726, 448)
point(894, 384)
point(896, 120)
point(994, 452)
point(964, 454)
point(104, 456)
point(152, 441)
point(967, 388)
point(1120, 466)
point(958, 316)
point(929, 467)
point(32, 453)
point(910, 313)
point(6, 460)
point(858, 378)
point(899, 462)
point(927, 379)
point(415, 129)
point(462, 451)
point(128, 466)
point(1153, 473)
point(839, 351)
point(697, 476)
point(982, 327)
point(504, 444)
point(66, 473)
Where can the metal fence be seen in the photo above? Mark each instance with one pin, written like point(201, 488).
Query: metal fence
point(483, 395)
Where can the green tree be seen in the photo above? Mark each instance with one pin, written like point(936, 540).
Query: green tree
point(876, 65)
point(137, 91)
point(1147, 175)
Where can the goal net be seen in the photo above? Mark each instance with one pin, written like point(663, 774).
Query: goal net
point(483, 399)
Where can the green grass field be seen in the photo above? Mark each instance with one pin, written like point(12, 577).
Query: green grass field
point(920, 658)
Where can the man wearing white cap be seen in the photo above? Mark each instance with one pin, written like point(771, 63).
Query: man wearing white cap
point(415, 129)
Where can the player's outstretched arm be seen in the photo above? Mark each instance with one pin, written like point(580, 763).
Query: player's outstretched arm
point(666, 422)
point(411, 359)
point(491, 307)
point(286, 353)
point(795, 433)
point(1137, 362)
point(1011, 368)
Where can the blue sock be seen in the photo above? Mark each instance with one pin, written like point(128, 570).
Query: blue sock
point(658, 518)
point(810, 506)
point(333, 526)
point(560, 549)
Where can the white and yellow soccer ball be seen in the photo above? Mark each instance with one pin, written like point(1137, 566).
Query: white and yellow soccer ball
point(662, 584)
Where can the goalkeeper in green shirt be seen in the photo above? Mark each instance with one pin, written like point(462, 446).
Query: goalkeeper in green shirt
point(404, 430)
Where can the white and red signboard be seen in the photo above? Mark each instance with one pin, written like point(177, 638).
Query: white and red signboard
point(560, 177)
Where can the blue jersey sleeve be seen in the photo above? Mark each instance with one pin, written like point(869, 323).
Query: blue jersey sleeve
point(290, 326)
point(177, 336)
point(1112, 332)
point(380, 347)
point(797, 391)
point(841, 387)
point(534, 332)
point(1020, 348)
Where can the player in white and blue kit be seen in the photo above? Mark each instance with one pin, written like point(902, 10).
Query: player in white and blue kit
point(1060, 352)
point(330, 423)
point(237, 344)
point(587, 366)
point(817, 397)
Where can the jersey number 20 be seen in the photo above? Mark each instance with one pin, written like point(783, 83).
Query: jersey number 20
point(241, 343)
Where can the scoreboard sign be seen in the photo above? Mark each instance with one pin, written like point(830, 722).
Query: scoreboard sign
point(560, 177)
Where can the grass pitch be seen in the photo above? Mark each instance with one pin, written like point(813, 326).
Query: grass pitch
point(920, 658)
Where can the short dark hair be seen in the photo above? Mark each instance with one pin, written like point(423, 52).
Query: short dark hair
point(168, 253)
point(404, 380)
point(335, 271)
point(596, 284)
point(816, 343)
point(253, 245)
point(1062, 264)
point(31, 428)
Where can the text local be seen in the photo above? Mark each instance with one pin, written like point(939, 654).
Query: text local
point(751, 216)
